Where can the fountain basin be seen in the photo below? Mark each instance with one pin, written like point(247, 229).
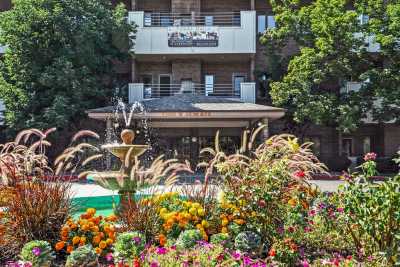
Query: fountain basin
point(113, 180)
point(121, 150)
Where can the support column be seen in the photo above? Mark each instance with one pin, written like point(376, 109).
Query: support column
point(265, 132)
point(134, 71)
point(252, 68)
point(252, 4)
point(109, 129)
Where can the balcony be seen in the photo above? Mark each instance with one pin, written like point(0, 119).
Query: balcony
point(139, 91)
point(196, 33)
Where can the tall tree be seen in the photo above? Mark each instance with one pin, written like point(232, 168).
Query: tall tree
point(333, 49)
point(60, 59)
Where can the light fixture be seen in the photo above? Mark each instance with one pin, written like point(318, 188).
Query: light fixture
point(194, 139)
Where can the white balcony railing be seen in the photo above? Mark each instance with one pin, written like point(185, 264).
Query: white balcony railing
point(140, 91)
point(234, 33)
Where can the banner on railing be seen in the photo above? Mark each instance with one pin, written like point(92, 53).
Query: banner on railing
point(193, 36)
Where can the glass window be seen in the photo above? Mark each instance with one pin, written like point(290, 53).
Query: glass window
point(237, 80)
point(366, 145)
point(261, 23)
point(347, 147)
point(271, 22)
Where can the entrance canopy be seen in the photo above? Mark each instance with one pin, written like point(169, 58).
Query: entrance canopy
point(197, 111)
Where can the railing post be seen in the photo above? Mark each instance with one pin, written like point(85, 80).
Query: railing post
point(136, 92)
point(248, 92)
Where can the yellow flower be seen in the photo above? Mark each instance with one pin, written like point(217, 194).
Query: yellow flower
point(224, 222)
point(196, 205)
point(193, 211)
point(221, 197)
point(205, 224)
point(200, 212)
point(91, 211)
point(240, 221)
point(292, 202)
point(163, 211)
point(224, 230)
point(109, 241)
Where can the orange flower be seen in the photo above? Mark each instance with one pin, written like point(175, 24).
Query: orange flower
point(109, 241)
point(98, 250)
point(76, 240)
point(70, 249)
point(272, 252)
point(292, 202)
point(65, 228)
point(60, 245)
point(111, 218)
point(102, 244)
point(240, 221)
point(96, 239)
point(95, 229)
point(293, 247)
point(85, 227)
point(162, 239)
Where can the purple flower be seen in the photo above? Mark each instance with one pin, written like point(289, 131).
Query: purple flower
point(321, 206)
point(36, 251)
point(109, 257)
point(236, 255)
point(154, 264)
point(246, 261)
point(137, 240)
point(161, 251)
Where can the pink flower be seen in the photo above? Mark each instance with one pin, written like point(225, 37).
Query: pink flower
point(161, 251)
point(246, 261)
point(36, 251)
point(236, 255)
point(154, 264)
point(305, 263)
point(370, 156)
point(340, 210)
point(109, 257)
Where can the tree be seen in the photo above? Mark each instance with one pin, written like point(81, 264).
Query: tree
point(60, 59)
point(333, 50)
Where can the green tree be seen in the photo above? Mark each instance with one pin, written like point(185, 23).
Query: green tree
point(60, 59)
point(333, 50)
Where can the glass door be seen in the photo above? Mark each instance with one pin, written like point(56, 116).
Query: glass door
point(209, 85)
point(237, 80)
point(165, 85)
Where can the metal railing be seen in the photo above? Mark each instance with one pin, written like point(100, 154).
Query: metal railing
point(164, 90)
point(166, 19)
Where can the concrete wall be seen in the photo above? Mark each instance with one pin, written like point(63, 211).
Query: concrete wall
point(391, 139)
point(153, 5)
point(186, 69)
point(5, 5)
point(185, 6)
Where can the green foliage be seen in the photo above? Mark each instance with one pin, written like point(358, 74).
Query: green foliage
point(248, 242)
point(128, 246)
point(81, 257)
point(373, 214)
point(60, 59)
point(39, 253)
point(333, 50)
point(188, 239)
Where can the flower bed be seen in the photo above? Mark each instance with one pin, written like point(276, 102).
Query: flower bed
point(267, 214)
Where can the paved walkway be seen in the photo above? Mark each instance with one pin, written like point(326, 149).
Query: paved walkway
point(93, 190)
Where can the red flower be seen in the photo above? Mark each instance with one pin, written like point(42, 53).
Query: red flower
point(272, 252)
point(300, 174)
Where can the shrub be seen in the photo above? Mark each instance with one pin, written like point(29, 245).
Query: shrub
point(221, 239)
point(128, 246)
point(82, 257)
point(248, 242)
point(188, 239)
point(39, 253)
point(88, 229)
point(373, 212)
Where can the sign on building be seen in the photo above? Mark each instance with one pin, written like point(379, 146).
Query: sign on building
point(193, 36)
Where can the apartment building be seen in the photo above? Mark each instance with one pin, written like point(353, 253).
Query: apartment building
point(198, 60)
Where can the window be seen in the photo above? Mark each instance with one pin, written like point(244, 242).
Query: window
point(147, 80)
point(147, 19)
point(261, 23)
point(271, 22)
point(347, 147)
point(237, 80)
point(366, 145)
point(209, 20)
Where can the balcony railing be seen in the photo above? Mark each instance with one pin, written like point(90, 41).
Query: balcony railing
point(140, 91)
point(165, 19)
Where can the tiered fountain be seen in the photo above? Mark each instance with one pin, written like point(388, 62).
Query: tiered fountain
point(122, 180)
